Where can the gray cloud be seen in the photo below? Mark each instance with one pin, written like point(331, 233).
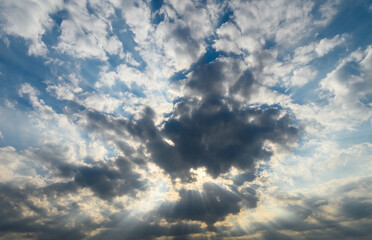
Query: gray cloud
point(108, 183)
point(308, 218)
point(40, 225)
point(213, 204)
point(215, 132)
point(107, 179)
point(120, 226)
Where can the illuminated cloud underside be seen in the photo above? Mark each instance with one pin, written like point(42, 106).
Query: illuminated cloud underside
point(191, 119)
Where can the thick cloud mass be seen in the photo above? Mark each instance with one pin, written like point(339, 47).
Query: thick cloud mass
point(212, 204)
point(108, 183)
point(217, 135)
point(216, 131)
point(105, 179)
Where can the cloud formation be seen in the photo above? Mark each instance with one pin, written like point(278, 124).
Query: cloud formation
point(185, 119)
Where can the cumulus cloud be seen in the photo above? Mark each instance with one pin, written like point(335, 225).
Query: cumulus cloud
point(29, 20)
point(86, 35)
point(345, 89)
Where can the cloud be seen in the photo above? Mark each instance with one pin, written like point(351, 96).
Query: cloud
point(22, 218)
point(107, 179)
point(286, 24)
point(147, 228)
point(215, 132)
point(29, 20)
point(176, 35)
point(345, 88)
point(85, 35)
point(185, 120)
point(305, 54)
point(213, 204)
point(218, 138)
point(108, 183)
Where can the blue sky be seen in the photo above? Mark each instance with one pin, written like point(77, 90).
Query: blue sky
point(185, 119)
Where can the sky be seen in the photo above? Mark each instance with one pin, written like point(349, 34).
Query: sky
point(192, 119)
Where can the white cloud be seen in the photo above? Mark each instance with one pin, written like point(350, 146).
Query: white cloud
point(65, 90)
point(29, 19)
point(86, 35)
point(293, 71)
point(345, 92)
point(48, 126)
point(287, 24)
point(137, 15)
point(305, 54)
point(230, 39)
point(177, 36)
point(39, 105)
point(10, 162)
point(327, 10)
point(285, 21)
point(101, 102)
point(303, 75)
point(344, 89)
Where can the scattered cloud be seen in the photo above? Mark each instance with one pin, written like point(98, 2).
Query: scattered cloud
point(185, 120)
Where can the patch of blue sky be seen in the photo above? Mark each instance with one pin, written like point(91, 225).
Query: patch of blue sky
point(50, 37)
point(17, 67)
point(225, 17)
point(156, 16)
point(270, 44)
point(137, 90)
point(354, 18)
point(178, 76)
point(261, 107)
point(16, 130)
point(156, 4)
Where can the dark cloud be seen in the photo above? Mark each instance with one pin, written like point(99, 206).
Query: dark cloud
point(307, 216)
point(122, 227)
point(244, 85)
point(107, 179)
point(208, 79)
point(213, 131)
point(108, 183)
point(272, 234)
point(357, 208)
point(22, 219)
point(244, 177)
point(215, 134)
point(213, 204)
point(186, 43)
